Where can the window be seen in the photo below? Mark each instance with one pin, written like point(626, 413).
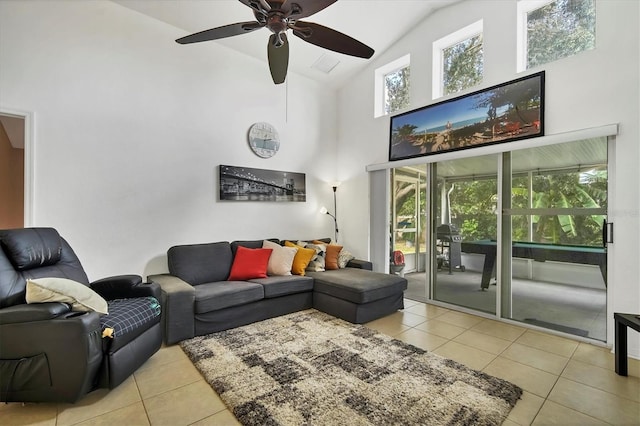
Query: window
point(396, 85)
point(550, 30)
point(392, 87)
point(458, 61)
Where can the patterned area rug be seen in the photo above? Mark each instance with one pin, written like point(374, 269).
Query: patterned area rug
point(311, 368)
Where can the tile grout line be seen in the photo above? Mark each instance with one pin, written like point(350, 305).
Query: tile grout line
point(144, 406)
point(512, 342)
point(573, 409)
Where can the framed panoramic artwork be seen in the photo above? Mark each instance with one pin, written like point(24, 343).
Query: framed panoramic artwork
point(247, 184)
point(502, 113)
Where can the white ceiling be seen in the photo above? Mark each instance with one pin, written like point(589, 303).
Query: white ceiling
point(376, 23)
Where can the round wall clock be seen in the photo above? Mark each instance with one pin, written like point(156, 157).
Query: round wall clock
point(264, 140)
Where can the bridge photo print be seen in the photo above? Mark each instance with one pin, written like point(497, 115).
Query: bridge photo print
point(248, 184)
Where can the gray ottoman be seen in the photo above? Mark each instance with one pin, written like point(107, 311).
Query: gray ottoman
point(357, 295)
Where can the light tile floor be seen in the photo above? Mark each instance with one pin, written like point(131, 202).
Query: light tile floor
point(565, 382)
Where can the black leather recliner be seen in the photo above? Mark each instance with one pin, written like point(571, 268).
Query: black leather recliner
point(49, 353)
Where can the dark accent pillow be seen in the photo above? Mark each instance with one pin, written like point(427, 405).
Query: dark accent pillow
point(250, 263)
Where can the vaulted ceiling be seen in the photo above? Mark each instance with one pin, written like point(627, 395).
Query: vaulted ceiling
point(376, 23)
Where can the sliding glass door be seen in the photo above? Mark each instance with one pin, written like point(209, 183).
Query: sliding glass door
point(464, 200)
point(408, 231)
point(554, 219)
point(518, 234)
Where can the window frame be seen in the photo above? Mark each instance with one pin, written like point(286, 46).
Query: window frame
point(380, 90)
point(524, 7)
point(465, 33)
point(522, 41)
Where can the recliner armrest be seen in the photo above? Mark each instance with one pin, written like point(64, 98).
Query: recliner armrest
point(178, 307)
point(33, 312)
point(72, 347)
point(124, 287)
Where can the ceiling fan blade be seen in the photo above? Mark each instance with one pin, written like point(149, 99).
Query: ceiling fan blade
point(331, 39)
point(278, 58)
point(221, 32)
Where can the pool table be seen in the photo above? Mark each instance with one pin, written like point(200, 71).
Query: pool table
point(539, 252)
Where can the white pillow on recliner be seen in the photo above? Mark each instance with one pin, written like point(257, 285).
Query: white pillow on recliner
point(79, 296)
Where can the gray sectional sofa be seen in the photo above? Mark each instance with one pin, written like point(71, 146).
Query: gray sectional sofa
point(197, 298)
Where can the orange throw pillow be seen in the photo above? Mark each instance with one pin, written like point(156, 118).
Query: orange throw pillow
point(302, 258)
point(331, 258)
point(249, 264)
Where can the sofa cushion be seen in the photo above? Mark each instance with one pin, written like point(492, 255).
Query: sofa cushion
point(250, 244)
point(250, 263)
point(357, 285)
point(314, 240)
point(200, 263)
point(302, 258)
point(129, 318)
point(344, 258)
point(282, 285)
point(281, 258)
point(316, 264)
point(332, 252)
point(224, 294)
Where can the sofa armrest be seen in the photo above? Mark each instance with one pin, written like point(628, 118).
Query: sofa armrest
point(361, 264)
point(177, 300)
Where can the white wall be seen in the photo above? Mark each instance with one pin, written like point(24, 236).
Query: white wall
point(591, 89)
point(130, 128)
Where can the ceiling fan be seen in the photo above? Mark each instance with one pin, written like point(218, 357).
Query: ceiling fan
point(279, 16)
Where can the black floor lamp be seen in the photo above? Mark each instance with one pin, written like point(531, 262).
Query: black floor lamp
point(324, 210)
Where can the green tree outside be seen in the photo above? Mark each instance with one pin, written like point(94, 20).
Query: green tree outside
point(462, 65)
point(560, 29)
point(474, 203)
point(397, 85)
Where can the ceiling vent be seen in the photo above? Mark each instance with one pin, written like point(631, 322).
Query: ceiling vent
point(325, 63)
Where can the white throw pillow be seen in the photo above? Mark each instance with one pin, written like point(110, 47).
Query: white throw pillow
point(79, 296)
point(281, 258)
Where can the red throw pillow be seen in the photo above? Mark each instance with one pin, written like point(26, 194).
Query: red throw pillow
point(249, 264)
